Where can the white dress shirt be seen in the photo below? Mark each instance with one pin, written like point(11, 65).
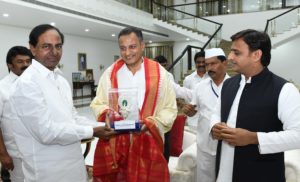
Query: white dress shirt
point(191, 82)
point(5, 122)
point(193, 79)
point(136, 80)
point(271, 142)
point(47, 128)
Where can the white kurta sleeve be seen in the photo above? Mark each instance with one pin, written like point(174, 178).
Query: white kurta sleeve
point(182, 92)
point(82, 120)
point(31, 108)
point(289, 114)
point(216, 116)
point(1, 106)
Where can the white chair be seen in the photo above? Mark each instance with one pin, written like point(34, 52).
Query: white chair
point(292, 165)
point(183, 168)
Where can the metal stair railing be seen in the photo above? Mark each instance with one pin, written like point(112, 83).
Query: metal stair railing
point(190, 22)
point(283, 22)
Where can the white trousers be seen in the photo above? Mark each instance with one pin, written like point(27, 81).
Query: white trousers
point(205, 167)
point(17, 175)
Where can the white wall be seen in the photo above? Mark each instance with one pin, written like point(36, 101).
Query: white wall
point(236, 22)
point(97, 51)
point(285, 61)
point(10, 37)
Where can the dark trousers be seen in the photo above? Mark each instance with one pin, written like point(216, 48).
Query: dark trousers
point(5, 175)
point(167, 146)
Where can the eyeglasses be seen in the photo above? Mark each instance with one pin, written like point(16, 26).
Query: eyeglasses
point(50, 47)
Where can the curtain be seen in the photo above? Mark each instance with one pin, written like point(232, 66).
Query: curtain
point(156, 50)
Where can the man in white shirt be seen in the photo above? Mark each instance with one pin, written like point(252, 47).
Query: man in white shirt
point(199, 74)
point(193, 79)
point(47, 128)
point(181, 92)
point(205, 97)
point(18, 58)
point(257, 117)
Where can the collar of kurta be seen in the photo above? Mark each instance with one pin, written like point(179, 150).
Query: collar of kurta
point(45, 72)
point(152, 78)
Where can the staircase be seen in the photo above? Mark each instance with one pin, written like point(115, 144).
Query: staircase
point(203, 30)
point(187, 31)
point(284, 27)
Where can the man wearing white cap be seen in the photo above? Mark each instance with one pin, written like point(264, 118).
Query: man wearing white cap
point(205, 97)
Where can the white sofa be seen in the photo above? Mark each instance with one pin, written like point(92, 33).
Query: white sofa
point(183, 168)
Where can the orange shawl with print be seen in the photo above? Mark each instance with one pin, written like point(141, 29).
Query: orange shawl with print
point(139, 157)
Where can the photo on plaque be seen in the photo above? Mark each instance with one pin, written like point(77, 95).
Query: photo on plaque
point(124, 110)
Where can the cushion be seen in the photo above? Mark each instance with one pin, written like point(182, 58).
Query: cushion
point(176, 135)
point(187, 159)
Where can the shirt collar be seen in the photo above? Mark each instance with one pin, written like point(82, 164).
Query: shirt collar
point(45, 72)
point(13, 76)
point(141, 68)
point(257, 77)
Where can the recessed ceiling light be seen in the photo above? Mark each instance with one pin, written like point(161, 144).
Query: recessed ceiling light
point(5, 15)
point(187, 39)
point(87, 30)
point(52, 23)
point(150, 41)
point(113, 35)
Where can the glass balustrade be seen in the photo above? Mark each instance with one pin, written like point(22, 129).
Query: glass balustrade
point(284, 22)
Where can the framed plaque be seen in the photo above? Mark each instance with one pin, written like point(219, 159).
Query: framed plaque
point(124, 110)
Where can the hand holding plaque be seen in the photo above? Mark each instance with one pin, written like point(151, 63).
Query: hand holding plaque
point(124, 112)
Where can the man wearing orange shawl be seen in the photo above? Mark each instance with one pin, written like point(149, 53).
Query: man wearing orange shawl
point(137, 156)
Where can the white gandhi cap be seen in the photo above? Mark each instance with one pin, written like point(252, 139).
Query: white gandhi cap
point(214, 52)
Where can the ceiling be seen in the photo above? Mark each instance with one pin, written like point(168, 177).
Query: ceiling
point(26, 15)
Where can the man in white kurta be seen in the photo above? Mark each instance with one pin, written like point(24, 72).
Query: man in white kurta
point(18, 59)
point(191, 81)
point(205, 97)
point(47, 128)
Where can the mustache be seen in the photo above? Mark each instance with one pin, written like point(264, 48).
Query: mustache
point(211, 72)
point(24, 68)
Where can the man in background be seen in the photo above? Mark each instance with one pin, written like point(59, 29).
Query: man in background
point(18, 59)
point(137, 156)
point(205, 97)
point(181, 92)
point(46, 126)
point(193, 79)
